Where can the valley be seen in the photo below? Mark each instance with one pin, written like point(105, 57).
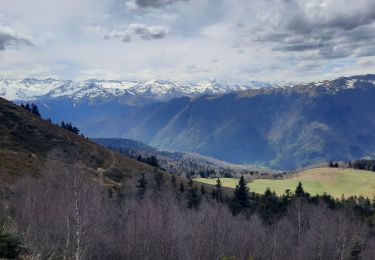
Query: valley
point(187, 130)
point(71, 197)
point(274, 126)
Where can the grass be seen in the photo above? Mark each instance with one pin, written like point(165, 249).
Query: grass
point(336, 182)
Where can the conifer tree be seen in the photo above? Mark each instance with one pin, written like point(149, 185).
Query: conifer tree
point(330, 164)
point(35, 110)
point(10, 246)
point(299, 190)
point(241, 199)
point(193, 197)
point(153, 161)
point(218, 193)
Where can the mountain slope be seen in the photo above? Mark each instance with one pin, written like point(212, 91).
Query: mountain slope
point(94, 103)
point(27, 140)
point(278, 127)
point(180, 163)
point(283, 127)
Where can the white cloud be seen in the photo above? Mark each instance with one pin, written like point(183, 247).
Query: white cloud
point(8, 38)
point(133, 30)
point(187, 40)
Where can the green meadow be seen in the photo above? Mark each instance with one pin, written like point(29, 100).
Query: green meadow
point(336, 182)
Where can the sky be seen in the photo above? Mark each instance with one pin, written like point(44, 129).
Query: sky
point(187, 40)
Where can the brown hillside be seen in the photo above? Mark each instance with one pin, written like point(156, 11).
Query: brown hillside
point(27, 140)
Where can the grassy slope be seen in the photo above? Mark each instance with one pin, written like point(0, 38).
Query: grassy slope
point(315, 181)
point(26, 141)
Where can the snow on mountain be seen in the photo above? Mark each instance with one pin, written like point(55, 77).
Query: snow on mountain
point(26, 89)
point(32, 89)
point(36, 89)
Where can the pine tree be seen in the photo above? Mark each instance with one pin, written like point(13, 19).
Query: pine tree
point(193, 197)
point(300, 191)
point(27, 106)
point(218, 193)
point(10, 246)
point(35, 110)
point(153, 161)
point(141, 186)
point(241, 199)
point(270, 205)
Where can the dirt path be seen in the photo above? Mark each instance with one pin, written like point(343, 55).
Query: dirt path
point(112, 165)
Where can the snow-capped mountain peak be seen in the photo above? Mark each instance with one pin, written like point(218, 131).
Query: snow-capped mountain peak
point(30, 89)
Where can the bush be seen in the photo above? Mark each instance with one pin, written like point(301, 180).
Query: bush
point(10, 246)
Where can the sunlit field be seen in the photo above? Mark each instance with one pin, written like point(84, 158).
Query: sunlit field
point(336, 182)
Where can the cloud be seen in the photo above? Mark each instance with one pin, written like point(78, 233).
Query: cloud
point(133, 30)
point(153, 3)
point(330, 29)
point(8, 38)
point(106, 33)
point(292, 40)
point(149, 32)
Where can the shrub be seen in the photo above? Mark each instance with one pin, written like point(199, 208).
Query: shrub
point(10, 245)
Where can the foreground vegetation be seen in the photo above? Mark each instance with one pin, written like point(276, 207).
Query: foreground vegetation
point(68, 214)
point(333, 181)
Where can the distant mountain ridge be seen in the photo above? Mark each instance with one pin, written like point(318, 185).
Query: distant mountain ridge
point(92, 90)
point(282, 127)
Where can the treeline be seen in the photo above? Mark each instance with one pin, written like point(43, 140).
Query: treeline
point(367, 165)
point(32, 108)
point(67, 215)
point(67, 126)
point(192, 167)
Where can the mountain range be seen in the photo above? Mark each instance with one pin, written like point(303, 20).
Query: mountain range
point(282, 126)
point(95, 91)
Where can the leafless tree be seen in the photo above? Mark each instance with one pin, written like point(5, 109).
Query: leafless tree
point(64, 213)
